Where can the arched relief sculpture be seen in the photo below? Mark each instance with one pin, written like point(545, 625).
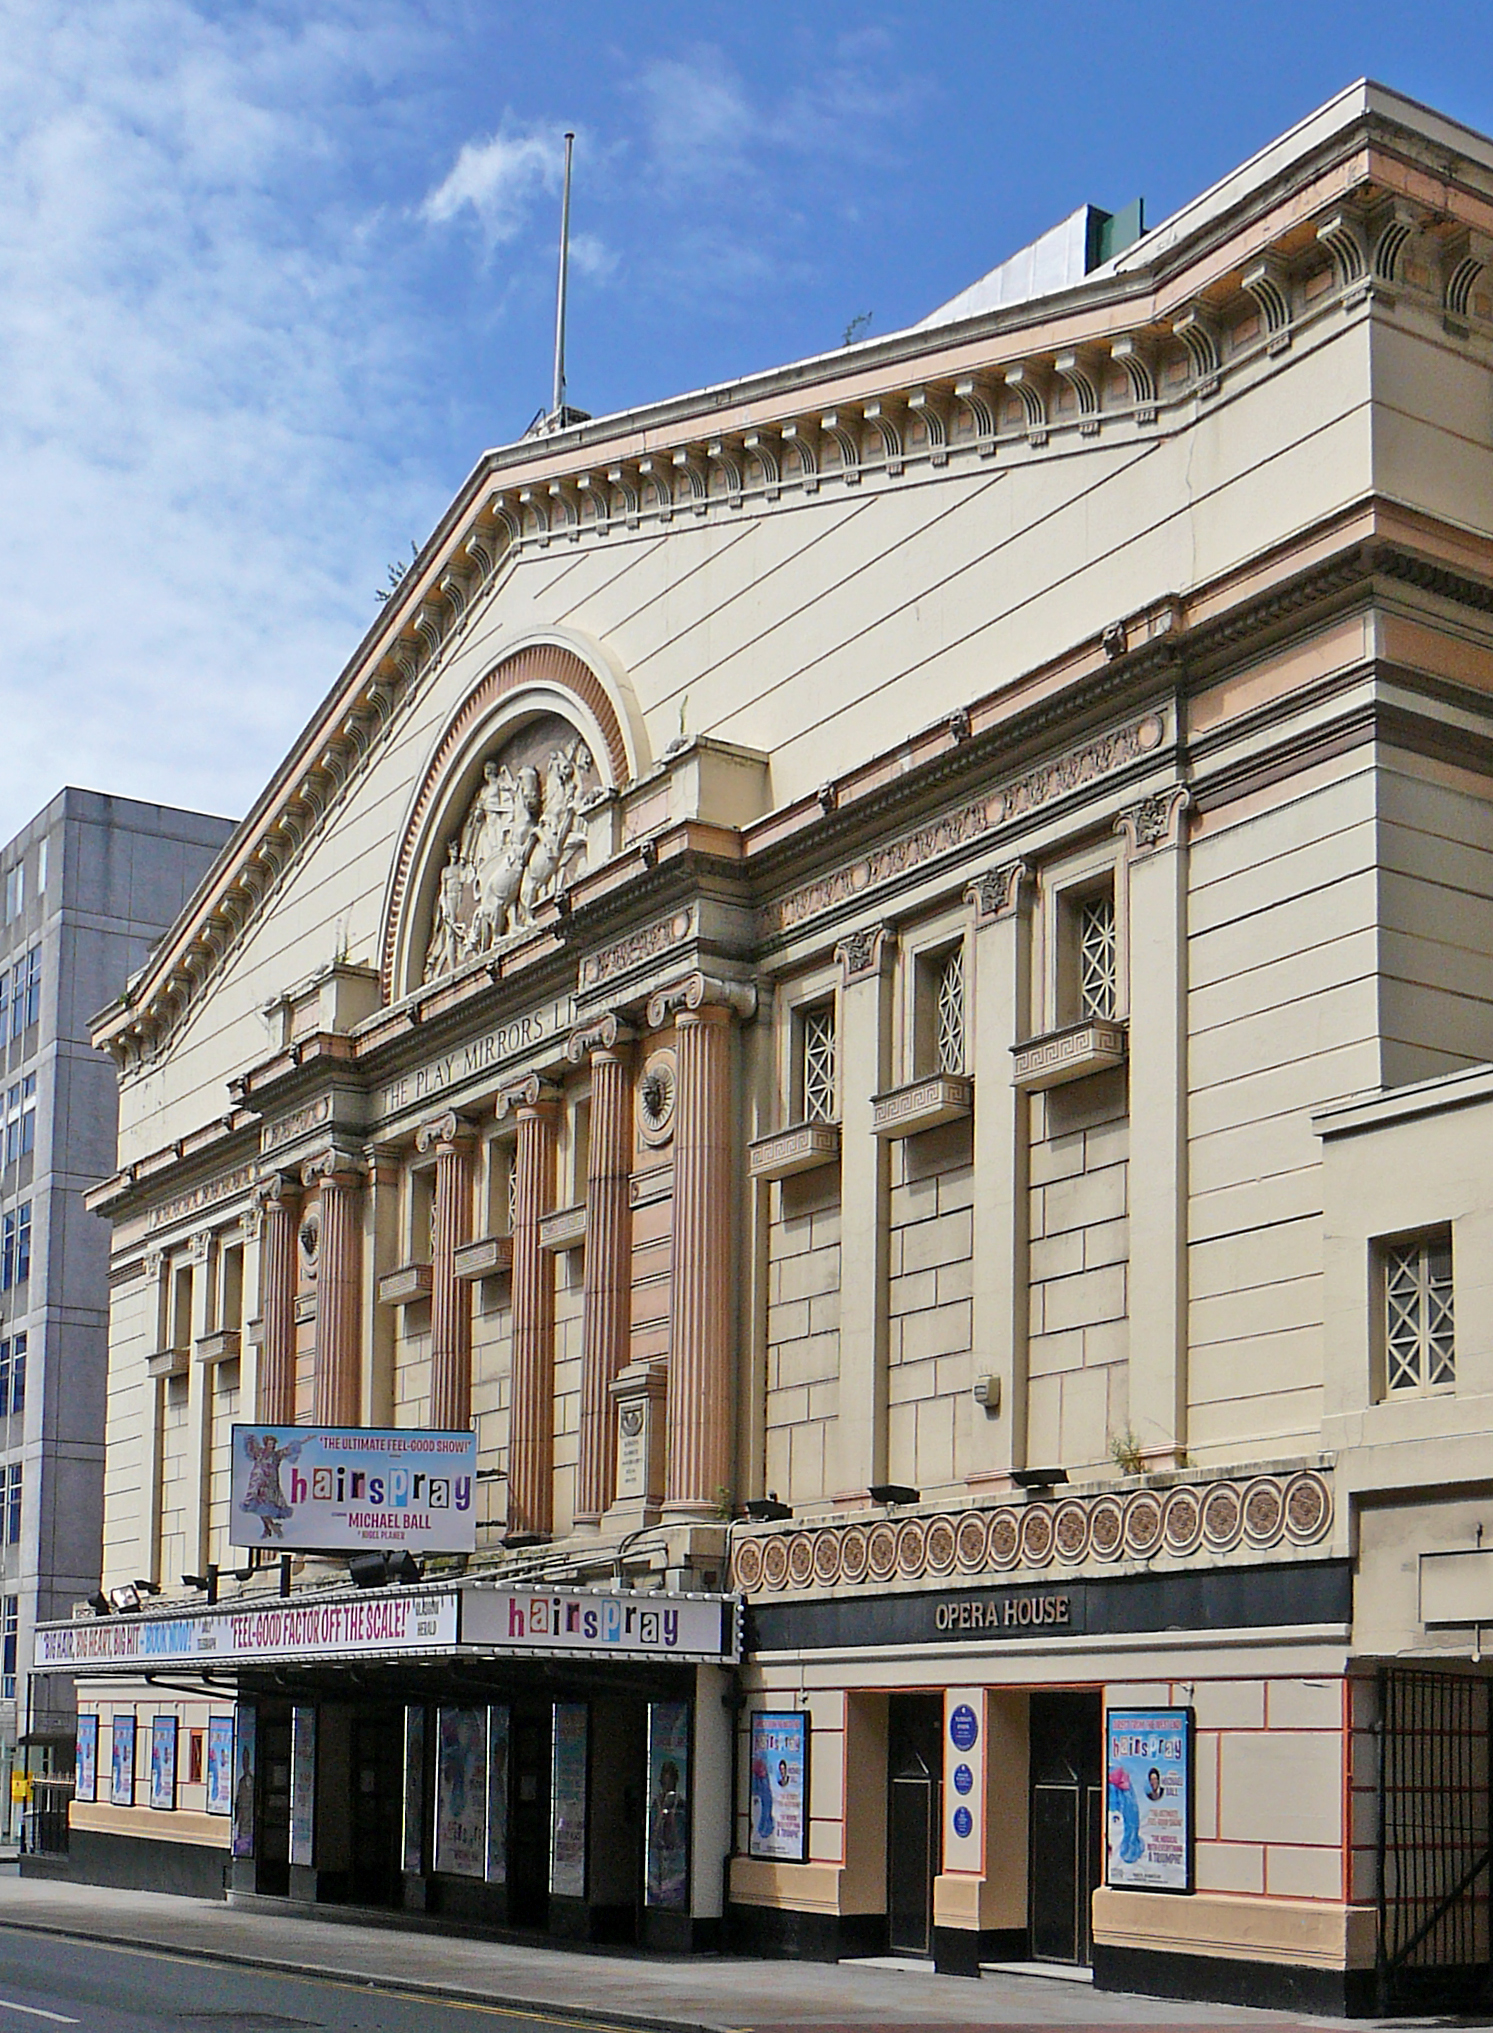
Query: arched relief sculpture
point(516, 845)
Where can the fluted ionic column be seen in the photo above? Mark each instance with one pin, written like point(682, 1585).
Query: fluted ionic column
point(607, 1320)
point(338, 1287)
point(450, 1298)
point(531, 1417)
point(699, 1455)
point(280, 1212)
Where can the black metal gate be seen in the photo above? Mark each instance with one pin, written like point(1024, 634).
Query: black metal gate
point(1434, 1834)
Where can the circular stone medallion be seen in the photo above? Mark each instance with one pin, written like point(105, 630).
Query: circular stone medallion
point(1264, 1511)
point(1182, 1525)
point(1106, 1528)
point(939, 1549)
point(1070, 1530)
point(881, 1553)
point(853, 1554)
point(1005, 1538)
point(1223, 1517)
point(971, 1537)
point(1036, 1534)
point(1142, 1524)
point(800, 1559)
point(747, 1563)
point(1308, 1507)
point(910, 1547)
point(774, 1563)
point(827, 1557)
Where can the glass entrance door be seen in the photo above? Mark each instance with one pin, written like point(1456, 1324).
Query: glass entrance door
point(915, 1777)
point(1066, 1823)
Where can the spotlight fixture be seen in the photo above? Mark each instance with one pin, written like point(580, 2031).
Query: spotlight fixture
point(208, 1583)
point(147, 1587)
point(767, 1510)
point(100, 1604)
point(894, 1493)
point(377, 1570)
point(406, 1569)
point(125, 1599)
point(1038, 1478)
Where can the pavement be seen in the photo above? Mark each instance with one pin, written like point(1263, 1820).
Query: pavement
point(698, 1994)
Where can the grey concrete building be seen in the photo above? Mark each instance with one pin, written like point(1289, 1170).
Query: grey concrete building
point(86, 889)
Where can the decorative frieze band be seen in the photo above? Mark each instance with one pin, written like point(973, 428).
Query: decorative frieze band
point(1189, 1520)
point(637, 949)
point(1024, 794)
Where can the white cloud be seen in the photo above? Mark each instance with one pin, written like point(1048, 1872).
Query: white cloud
point(499, 179)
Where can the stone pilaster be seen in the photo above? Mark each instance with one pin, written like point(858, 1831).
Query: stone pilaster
point(450, 1299)
point(607, 1317)
point(1001, 978)
point(699, 1457)
point(339, 1366)
point(531, 1427)
point(280, 1204)
point(863, 1045)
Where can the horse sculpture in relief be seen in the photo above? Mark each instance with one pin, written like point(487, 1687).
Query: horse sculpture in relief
point(518, 843)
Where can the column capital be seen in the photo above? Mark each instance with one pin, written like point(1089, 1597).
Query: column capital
point(998, 892)
point(698, 992)
point(345, 1167)
point(276, 1189)
point(865, 952)
point(533, 1095)
point(444, 1132)
point(1156, 821)
point(609, 1033)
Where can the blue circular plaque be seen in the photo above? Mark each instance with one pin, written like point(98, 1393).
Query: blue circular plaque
point(964, 1779)
point(963, 1728)
point(963, 1821)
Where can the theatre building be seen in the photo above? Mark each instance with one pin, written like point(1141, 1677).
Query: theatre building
point(858, 1041)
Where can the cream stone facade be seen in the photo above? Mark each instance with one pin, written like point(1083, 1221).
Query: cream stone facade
point(882, 977)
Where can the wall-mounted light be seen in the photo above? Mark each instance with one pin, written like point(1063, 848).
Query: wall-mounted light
point(125, 1599)
point(767, 1510)
point(100, 1604)
point(894, 1493)
point(208, 1583)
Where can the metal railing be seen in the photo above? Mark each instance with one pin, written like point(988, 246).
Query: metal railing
point(44, 1821)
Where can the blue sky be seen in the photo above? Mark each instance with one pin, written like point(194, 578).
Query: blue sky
point(272, 276)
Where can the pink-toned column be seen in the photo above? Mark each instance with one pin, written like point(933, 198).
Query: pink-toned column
point(699, 1457)
point(605, 1328)
point(280, 1212)
point(450, 1299)
point(531, 1429)
point(338, 1287)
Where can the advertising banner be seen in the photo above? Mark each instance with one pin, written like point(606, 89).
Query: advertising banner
point(246, 1768)
point(373, 1626)
point(779, 1827)
point(85, 1770)
point(1148, 1774)
point(413, 1832)
point(163, 1763)
point(498, 1732)
point(303, 1785)
point(122, 1760)
point(461, 1792)
point(335, 1488)
point(220, 1764)
point(568, 1800)
point(667, 1883)
point(547, 1621)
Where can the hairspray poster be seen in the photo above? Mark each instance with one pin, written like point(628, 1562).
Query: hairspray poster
point(1148, 1797)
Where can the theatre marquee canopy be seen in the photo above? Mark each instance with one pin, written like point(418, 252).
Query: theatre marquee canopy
point(469, 1620)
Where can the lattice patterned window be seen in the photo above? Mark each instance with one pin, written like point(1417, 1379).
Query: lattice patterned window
point(1098, 958)
point(949, 1037)
point(1419, 1347)
point(817, 1063)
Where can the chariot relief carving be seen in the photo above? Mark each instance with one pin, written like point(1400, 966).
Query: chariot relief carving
point(518, 843)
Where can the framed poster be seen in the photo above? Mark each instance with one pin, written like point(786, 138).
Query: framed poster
point(220, 1764)
point(667, 1881)
point(163, 1734)
point(778, 1826)
point(85, 1767)
point(413, 1835)
point(499, 1729)
point(122, 1760)
point(461, 1791)
point(303, 1784)
point(245, 1767)
point(568, 1800)
point(1149, 1799)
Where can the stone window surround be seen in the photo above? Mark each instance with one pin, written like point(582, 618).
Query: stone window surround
point(1062, 886)
point(794, 1000)
point(1383, 1251)
point(922, 950)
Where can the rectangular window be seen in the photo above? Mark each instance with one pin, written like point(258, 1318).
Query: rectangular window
point(7, 1252)
point(949, 1013)
point(23, 1243)
point(15, 891)
point(41, 868)
point(13, 1504)
point(1097, 955)
point(18, 1375)
point(1419, 1345)
point(816, 1064)
point(25, 992)
point(10, 1624)
point(20, 1119)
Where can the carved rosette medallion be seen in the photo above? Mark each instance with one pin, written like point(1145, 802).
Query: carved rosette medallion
point(657, 1085)
point(746, 1565)
point(517, 844)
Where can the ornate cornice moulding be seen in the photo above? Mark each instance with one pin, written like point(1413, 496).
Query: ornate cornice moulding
point(1191, 1521)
